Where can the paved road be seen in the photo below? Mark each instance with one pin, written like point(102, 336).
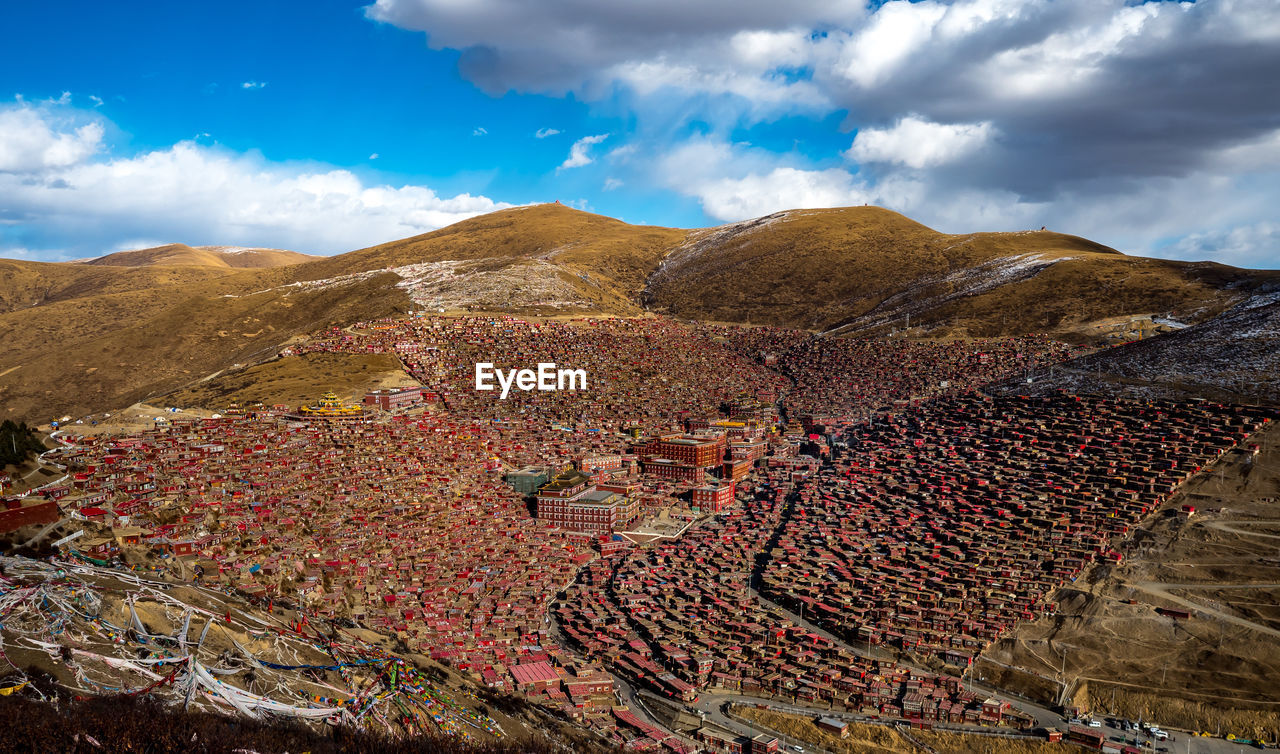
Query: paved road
point(712, 707)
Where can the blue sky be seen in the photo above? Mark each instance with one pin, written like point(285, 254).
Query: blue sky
point(326, 126)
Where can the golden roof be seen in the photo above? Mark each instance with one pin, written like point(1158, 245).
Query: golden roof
point(331, 406)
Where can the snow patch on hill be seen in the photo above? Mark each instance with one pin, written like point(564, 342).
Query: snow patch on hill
point(492, 284)
point(712, 240)
point(238, 249)
point(1234, 356)
point(931, 292)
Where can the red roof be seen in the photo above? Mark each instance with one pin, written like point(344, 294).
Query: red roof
point(534, 672)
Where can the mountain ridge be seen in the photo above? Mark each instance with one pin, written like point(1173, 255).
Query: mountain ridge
point(86, 337)
point(182, 255)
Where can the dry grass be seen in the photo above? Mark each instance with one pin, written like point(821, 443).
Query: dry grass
point(28, 284)
point(1216, 668)
point(101, 352)
point(181, 255)
point(122, 723)
point(294, 380)
point(616, 255)
point(866, 269)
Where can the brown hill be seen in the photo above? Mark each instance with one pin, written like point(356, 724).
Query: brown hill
point(83, 337)
point(181, 255)
point(95, 351)
point(869, 271)
point(544, 258)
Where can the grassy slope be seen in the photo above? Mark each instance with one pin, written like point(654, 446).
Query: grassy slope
point(616, 255)
point(181, 255)
point(865, 269)
point(125, 334)
point(115, 349)
point(83, 337)
point(294, 380)
point(25, 284)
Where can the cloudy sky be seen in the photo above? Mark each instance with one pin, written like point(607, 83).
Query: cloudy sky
point(325, 126)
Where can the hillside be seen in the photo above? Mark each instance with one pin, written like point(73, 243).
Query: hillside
point(545, 258)
point(75, 355)
point(294, 380)
point(1233, 357)
point(181, 255)
point(229, 670)
point(89, 337)
point(868, 271)
point(26, 284)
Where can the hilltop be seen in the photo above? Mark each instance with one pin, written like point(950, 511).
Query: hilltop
point(93, 336)
point(869, 271)
point(181, 255)
point(543, 259)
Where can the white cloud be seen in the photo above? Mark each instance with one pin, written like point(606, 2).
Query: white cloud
point(612, 183)
point(1254, 245)
point(29, 141)
point(96, 100)
point(201, 195)
point(374, 156)
point(479, 131)
point(918, 143)
point(578, 155)
point(1059, 110)
point(1261, 153)
point(563, 45)
point(757, 194)
point(892, 35)
point(736, 182)
point(253, 85)
point(543, 133)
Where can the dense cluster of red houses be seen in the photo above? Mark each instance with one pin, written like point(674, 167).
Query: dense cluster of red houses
point(680, 617)
point(403, 525)
point(941, 527)
point(840, 379)
point(934, 526)
point(649, 373)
